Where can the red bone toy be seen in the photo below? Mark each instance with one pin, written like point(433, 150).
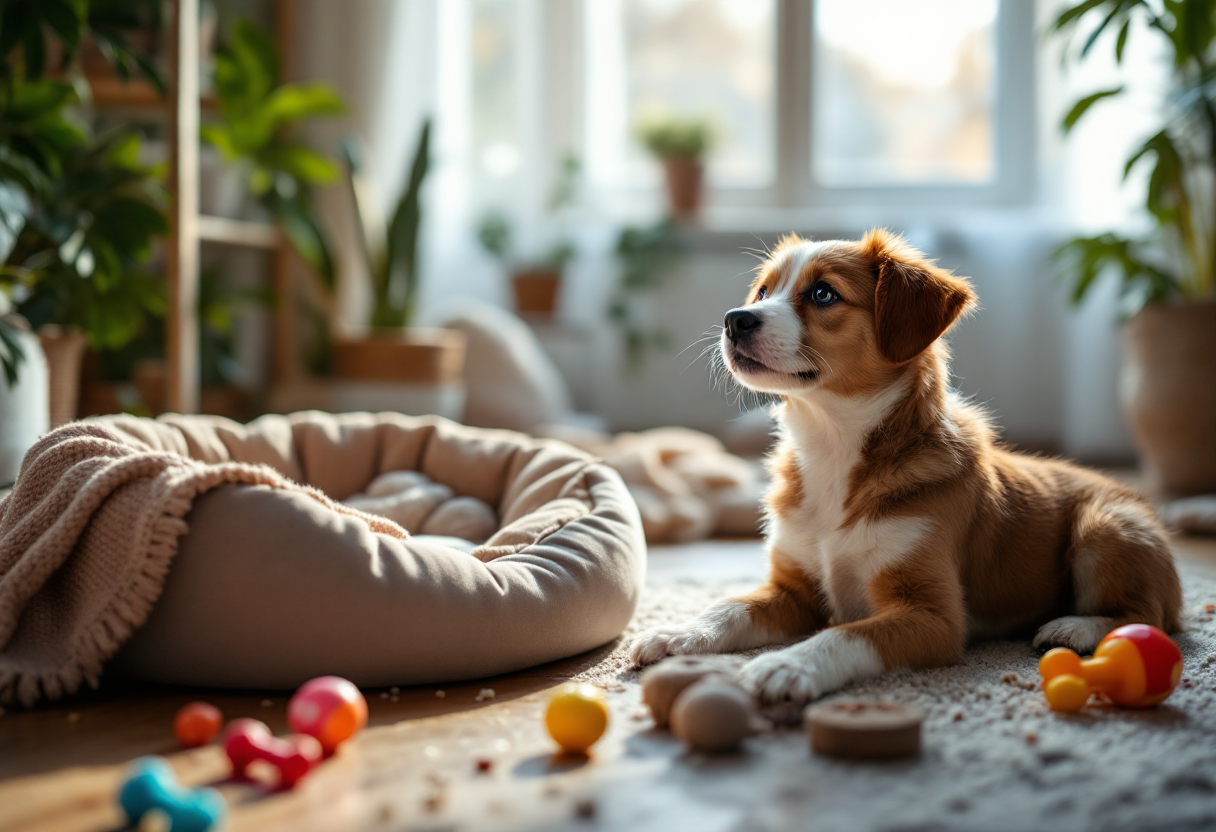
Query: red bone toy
point(248, 741)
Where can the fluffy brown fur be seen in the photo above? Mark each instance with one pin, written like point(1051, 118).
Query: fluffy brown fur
point(897, 520)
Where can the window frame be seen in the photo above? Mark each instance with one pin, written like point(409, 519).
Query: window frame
point(794, 188)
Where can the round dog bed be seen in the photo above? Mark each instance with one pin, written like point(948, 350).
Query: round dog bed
point(273, 583)
point(270, 587)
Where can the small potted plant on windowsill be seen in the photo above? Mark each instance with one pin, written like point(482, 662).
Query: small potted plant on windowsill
point(681, 145)
point(536, 281)
point(1167, 288)
point(392, 364)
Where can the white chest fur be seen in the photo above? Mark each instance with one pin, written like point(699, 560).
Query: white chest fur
point(827, 434)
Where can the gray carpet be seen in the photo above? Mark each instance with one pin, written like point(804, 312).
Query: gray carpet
point(995, 758)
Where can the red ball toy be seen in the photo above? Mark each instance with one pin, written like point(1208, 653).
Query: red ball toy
point(1135, 666)
point(329, 708)
point(197, 723)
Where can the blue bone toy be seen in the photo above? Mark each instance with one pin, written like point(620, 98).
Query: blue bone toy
point(153, 785)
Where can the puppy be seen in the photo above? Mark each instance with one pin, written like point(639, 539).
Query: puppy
point(897, 525)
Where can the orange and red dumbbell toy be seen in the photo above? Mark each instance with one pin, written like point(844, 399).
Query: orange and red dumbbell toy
point(1134, 666)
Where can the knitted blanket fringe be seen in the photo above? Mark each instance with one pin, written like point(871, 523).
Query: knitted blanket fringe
point(87, 538)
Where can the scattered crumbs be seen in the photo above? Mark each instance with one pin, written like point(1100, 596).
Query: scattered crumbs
point(484, 694)
point(1209, 608)
point(585, 809)
point(74, 717)
point(394, 690)
point(638, 716)
point(267, 703)
point(1017, 681)
point(957, 716)
point(384, 696)
point(615, 687)
point(440, 694)
point(433, 803)
point(484, 765)
point(1031, 737)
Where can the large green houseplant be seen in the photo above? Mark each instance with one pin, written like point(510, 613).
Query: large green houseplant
point(391, 350)
point(1167, 276)
point(78, 211)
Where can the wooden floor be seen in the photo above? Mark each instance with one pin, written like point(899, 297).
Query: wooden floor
point(61, 765)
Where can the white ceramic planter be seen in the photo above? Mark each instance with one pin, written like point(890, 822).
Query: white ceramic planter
point(24, 408)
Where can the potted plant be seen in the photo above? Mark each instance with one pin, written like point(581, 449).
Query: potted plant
point(389, 361)
point(536, 281)
point(254, 133)
point(135, 378)
point(680, 144)
point(79, 212)
point(646, 255)
point(1167, 290)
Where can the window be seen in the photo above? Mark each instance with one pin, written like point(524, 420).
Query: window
point(818, 103)
point(496, 106)
point(691, 58)
point(903, 92)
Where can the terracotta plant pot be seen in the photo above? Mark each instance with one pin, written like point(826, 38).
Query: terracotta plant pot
point(64, 350)
point(1168, 388)
point(433, 356)
point(536, 291)
point(684, 185)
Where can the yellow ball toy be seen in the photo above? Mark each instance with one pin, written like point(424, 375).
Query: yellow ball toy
point(577, 717)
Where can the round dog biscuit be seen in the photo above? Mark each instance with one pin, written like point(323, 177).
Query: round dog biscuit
point(864, 729)
point(665, 681)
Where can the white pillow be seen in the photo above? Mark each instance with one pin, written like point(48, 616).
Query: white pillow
point(511, 383)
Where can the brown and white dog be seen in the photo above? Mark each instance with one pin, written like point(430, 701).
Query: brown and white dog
point(898, 526)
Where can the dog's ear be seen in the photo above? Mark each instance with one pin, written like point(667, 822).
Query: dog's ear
point(914, 301)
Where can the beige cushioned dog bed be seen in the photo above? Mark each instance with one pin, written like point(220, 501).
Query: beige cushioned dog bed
point(270, 586)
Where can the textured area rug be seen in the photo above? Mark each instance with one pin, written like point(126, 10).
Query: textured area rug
point(994, 757)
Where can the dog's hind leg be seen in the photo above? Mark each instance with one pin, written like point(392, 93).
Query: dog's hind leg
point(1122, 573)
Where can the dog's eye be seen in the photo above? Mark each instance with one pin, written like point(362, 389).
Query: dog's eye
point(760, 295)
point(823, 295)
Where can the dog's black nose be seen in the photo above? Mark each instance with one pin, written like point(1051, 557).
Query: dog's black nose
point(740, 323)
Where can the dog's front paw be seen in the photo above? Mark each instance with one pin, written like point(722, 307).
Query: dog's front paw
point(782, 676)
point(823, 663)
point(661, 642)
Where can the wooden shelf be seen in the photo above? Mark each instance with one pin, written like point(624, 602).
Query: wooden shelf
point(112, 92)
point(238, 233)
